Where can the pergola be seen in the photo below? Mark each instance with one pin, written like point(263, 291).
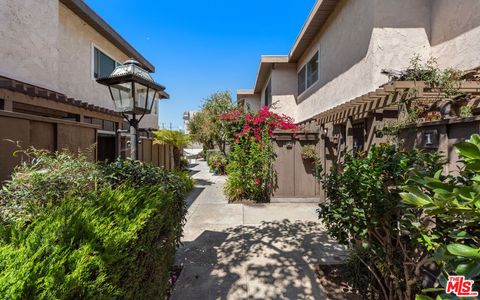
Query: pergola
point(390, 95)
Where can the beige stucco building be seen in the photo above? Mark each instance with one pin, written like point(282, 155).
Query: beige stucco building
point(344, 45)
point(63, 46)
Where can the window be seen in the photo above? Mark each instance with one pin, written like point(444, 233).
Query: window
point(268, 94)
point(308, 75)
point(103, 65)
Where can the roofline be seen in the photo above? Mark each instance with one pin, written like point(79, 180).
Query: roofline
point(321, 12)
point(246, 92)
point(93, 19)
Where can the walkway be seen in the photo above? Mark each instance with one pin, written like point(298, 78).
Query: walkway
point(237, 251)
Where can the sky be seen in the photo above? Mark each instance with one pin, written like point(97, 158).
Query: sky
point(201, 47)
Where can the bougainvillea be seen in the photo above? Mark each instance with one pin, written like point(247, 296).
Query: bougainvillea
point(250, 174)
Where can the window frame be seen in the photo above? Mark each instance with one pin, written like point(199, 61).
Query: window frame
point(305, 69)
point(94, 46)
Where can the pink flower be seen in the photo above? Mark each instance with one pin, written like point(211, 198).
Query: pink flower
point(257, 181)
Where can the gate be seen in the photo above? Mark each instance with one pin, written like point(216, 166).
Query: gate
point(295, 180)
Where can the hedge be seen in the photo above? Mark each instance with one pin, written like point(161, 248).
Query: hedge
point(116, 241)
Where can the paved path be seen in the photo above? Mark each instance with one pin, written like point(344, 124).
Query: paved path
point(237, 251)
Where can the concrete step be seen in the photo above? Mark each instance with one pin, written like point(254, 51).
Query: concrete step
point(294, 200)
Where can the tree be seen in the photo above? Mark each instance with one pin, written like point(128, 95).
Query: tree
point(173, 138)
point(206, 126)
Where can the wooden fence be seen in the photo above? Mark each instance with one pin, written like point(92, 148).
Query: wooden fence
point(21, 131)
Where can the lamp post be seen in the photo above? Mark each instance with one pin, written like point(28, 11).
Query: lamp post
point(134, 92)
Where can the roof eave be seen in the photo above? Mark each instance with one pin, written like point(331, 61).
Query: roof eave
point(266, 64)
point(318, 17)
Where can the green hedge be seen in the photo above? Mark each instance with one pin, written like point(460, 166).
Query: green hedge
point(114, 241)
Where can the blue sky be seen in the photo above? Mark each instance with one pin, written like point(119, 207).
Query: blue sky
point(200, 47)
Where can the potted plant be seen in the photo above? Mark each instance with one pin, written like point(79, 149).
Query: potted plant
point(308, 152)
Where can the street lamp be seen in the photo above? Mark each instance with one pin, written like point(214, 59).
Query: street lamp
point(134, 92)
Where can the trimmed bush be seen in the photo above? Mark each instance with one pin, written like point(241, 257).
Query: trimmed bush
point(115, 241)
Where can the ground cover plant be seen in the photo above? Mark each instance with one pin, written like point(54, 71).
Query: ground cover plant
point(249, 169)
point(112, 236)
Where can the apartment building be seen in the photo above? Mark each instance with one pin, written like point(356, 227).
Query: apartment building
point(63, 46)
point(345, 44)
point(331, 82)
point(51, 54)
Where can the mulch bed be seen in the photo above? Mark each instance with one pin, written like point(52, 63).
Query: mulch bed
point(335, 283)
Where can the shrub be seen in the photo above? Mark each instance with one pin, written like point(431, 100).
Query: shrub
point(453, 203)
point(115, 244)
point(217, 163)
point(43, 180)
point(117, 240)
point(366, 212)
point(139, 174)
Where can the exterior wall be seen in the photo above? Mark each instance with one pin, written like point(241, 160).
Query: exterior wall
point(44, 43)
point(252, 103)
point(75, 71)
point(345, 68)
point(28, 35)
point(401, 31)
point(284, 89)
point(361, 38)
point(455, 34)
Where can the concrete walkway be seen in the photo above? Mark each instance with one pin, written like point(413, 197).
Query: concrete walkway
point(237, 251)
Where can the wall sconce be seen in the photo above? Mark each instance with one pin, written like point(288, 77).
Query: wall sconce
point(324, 133)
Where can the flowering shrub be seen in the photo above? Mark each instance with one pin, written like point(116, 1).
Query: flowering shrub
point(250, 162)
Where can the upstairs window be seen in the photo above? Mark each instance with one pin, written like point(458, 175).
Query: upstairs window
point(268, 94)
point(103, 65)
point(308, 75)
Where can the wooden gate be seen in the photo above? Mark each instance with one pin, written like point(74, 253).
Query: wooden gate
point(295, 178)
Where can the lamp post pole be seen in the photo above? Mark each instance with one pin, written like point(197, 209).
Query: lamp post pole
point(134, 138)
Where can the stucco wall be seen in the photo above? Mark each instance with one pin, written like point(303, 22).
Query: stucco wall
point(252, 102)
point(345, 69)
point(75, 59)
point(284, 89)
point(455, 34)
point(401, 31)
point(28, 41)
point(361, 38)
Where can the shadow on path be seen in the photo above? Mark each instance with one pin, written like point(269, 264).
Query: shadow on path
point(272, 260)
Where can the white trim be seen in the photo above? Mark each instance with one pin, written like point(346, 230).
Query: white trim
point(92, 54)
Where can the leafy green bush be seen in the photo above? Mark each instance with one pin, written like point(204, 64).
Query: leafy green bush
point(139, 174)
point(43, 180)
point(119, 243)
point(454, 205)
point(117, 240)
point(366, 212)
point(217, 163)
